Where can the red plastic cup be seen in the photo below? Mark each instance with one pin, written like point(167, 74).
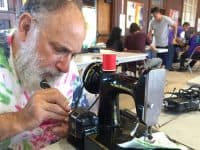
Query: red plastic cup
point(109, 62)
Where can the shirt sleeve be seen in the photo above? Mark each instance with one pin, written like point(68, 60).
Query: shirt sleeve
point(148, 40)
point(79, 94)
point(7, 86)
point(7, 81)
point(169, 21)
point(151, 25)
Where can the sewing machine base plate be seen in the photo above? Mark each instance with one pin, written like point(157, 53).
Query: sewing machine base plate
point(129, 121)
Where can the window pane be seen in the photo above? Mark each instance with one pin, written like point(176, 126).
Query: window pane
point(4, 5)
point(158, 3)
point(189, 11)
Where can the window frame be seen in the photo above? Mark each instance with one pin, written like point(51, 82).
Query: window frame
point(190, 12)
point(5, 7)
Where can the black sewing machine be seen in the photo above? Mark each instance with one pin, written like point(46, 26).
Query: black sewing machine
point(112, 126)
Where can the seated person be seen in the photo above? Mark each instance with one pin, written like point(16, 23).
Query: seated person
point(114, 41)
point(186, 33)
point(48, 34)
point(193, 43)
point(182, 39)
point(136, 42)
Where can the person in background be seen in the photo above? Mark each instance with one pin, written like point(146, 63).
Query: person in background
point(136, 41)
point(160, 25)
point(48, 34)
point(114, 41)
point(181, 41)
point(175, 45)
point(193, 43)
point(186, 35)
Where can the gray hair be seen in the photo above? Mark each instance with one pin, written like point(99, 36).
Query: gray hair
point(38, 8)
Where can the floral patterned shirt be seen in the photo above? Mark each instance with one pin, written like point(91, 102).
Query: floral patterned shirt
point(14, 98)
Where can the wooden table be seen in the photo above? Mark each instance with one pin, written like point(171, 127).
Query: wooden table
point(161, 50)
point(158, 50)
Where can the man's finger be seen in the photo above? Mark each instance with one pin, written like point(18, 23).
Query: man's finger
point(55, 116)
point(62, 130)
point(53, 95)
point(62, 103)
point(56, 109)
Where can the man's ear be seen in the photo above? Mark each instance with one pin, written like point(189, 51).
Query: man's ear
point(24, 25)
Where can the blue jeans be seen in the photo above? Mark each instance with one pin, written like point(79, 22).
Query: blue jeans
point(170, 57)
point(153, 63)
point(151, 54)
point(163, 56)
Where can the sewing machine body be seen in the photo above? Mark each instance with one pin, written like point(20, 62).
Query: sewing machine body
point(114, 127)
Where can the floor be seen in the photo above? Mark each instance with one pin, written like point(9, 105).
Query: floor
point(181, 127)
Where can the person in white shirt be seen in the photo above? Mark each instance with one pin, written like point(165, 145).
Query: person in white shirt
point(160, 25)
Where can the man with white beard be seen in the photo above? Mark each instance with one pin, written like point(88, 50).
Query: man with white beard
point(49, 33)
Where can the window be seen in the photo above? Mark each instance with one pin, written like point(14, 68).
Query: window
point(89, 14)
point(23, 2)
point(4, 5)
point(157, 3)
point(189, 11)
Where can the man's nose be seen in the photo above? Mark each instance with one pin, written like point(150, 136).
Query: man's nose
point(63, 64)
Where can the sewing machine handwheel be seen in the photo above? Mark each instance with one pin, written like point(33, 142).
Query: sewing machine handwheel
point(91, 77)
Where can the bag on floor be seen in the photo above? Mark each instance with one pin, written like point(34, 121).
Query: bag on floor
point(184, 100)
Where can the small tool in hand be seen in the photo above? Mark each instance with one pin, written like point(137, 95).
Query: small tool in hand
point(44, 84)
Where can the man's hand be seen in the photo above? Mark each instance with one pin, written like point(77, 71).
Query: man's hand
point(61, 130)
point(153, 48)
point(178, 41)
point(44, 105)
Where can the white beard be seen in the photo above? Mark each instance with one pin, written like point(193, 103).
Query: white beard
point(27, 62)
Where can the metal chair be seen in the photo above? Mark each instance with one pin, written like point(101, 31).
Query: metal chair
point(190, 59)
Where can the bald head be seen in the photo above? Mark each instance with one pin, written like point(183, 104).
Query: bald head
point(68, 24)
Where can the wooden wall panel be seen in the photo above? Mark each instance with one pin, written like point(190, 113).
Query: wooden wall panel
point(198, 15)
point(104, 20)
point(174, 4)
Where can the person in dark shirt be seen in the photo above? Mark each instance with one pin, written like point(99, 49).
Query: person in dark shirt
point(136, 42)
point(114, 42)
point(187, 32)
point(193, 43)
